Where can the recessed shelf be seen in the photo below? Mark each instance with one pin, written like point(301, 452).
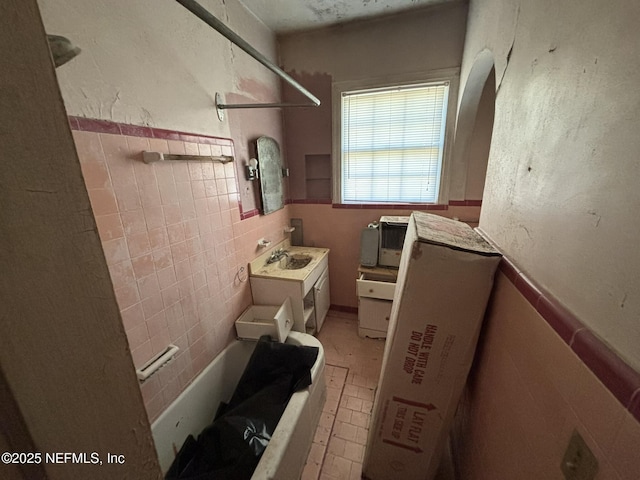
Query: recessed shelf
point(318, 176)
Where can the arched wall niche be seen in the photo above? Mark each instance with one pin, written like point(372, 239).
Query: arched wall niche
point(474, 130)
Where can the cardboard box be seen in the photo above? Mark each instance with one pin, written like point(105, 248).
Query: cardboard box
point(444, 282)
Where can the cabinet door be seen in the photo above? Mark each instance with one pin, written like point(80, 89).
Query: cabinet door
point(373, 317)
point(321, 297)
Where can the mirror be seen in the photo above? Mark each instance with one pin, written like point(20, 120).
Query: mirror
point(270, 168)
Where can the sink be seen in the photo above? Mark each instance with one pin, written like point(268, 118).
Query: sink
point(296, 262)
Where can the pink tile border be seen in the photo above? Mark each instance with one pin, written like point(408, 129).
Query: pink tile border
point(73, 123)
point(311, 201)
point(105, 126)
point(509, 269)
point(561, 320)
point(166, 134)
point(465, 203)
point(528, 289)
point(97, 126)
point(136, 131)
point(634, 406)
point(621, 380)
point(617, 376)
point(251, 213)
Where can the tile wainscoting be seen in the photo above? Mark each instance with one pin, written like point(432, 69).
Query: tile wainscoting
point(538, 374)
point(176, 241)
point(619, 378)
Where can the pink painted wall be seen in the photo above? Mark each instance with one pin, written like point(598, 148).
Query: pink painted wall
point(175, 246)
point(308, 129)
point(410, 44)
point(246, 127)
point(415, 41)
point(422, 41)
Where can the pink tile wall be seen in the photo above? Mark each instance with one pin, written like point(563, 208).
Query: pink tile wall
point(175, 245)
point(528, 391)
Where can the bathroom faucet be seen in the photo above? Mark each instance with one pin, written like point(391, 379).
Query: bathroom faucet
point(277, 255)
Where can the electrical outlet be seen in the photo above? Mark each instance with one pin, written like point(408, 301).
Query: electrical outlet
point(578, 463)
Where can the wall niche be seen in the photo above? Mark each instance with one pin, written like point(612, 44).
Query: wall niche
point(318, 176)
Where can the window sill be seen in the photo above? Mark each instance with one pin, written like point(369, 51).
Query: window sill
point(389, 206)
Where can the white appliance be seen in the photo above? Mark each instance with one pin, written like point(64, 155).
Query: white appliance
point(369, 240)
point(392, 230)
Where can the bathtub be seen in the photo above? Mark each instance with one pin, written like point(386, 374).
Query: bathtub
point(286, 454)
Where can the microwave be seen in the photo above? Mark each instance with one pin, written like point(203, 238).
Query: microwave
point(391, 233)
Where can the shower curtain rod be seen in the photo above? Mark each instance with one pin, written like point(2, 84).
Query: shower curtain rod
point(204, 15)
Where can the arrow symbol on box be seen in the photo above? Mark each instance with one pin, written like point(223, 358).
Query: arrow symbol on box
point(406, 447)
point(427, 407)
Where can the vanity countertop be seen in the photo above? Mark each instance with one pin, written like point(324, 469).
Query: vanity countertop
point(260, 268)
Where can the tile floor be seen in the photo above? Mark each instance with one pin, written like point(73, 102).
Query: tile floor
point(352, 370)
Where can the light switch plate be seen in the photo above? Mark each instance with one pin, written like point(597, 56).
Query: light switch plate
point(579, 463)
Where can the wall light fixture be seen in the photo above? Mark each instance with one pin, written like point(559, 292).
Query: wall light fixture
point(251, 169)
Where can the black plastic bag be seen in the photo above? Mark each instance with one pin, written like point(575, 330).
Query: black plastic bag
point(230, 448)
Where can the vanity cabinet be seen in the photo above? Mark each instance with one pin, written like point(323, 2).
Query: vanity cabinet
point(307, 289)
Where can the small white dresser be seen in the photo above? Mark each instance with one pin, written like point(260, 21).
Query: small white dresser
point(375, 288)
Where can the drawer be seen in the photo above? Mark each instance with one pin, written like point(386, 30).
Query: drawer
point(368, 287)
point(373, 317)
point(258, 320)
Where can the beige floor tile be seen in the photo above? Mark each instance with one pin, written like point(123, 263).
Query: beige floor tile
point(311, 471)
point(361, 436)
point(352, 403)
point(316, 455)
point(350, 390)
point(345, 430)
point(354, 451)
point(344, 415)
point(336, 446)
point(352, 371)
point(326, 420)
point(360, 419)
point(337, 467)
point(322, 435)
point(356, 471)
point(365, 393)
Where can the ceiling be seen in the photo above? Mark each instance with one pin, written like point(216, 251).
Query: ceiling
point(284, 16)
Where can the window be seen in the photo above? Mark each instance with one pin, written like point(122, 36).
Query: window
point(392, 143)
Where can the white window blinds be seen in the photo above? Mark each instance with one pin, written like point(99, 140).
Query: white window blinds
point(392, 143)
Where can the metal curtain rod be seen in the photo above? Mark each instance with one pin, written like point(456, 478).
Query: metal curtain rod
point(204, 15)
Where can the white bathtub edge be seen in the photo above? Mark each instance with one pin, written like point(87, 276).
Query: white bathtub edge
point(193, 410)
